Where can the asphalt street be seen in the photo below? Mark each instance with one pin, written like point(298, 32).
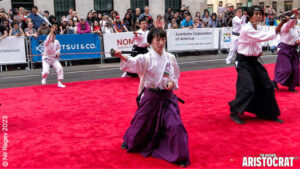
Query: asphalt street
point(93, 71)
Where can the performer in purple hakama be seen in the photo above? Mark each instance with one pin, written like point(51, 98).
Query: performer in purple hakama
point(156, 129)
point(254, 89)
point(287, 65)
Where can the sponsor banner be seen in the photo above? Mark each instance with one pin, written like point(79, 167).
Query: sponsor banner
point(195, 39)
point(120, 41)
point(12, 50)
point(80, 46)
point(225, 37)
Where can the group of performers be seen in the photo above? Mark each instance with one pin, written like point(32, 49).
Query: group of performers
point(156, 129)
point(254, 89)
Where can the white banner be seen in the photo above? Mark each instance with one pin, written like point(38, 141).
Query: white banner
point(226, 37)
point(121, 41)
point(196, 39)
point(12, 50)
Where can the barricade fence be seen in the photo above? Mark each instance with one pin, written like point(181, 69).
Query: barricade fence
point(19, 50)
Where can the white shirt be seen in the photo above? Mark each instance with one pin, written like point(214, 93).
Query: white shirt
point(160, 69)
point(288, 32)
point(141, 39)
point(51, 49)
point(237, 23)
point(102, 24)
point(249, 43)
point(221, 10)
point(107, 30)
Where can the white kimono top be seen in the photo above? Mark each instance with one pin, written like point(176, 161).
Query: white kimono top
point(51, 49)
point(158, 69)
point(249, 43)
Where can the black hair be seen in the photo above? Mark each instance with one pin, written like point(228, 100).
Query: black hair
point(46, 12)
point(238, 9)
point(156, 32)
point(250, 11)
point(3, 20)
point(214, 14)
point(15, 23)
point(35, 7)
point(143, 19)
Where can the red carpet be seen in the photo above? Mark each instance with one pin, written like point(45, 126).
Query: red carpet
point(82, 126)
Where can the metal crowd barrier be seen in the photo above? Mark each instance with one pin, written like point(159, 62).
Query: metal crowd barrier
point(178, 41)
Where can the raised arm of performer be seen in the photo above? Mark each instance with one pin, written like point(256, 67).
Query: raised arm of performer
point(290, 22)
point(250, 34)
point(51, 37)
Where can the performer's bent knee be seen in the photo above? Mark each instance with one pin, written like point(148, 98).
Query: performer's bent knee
point(45, 74)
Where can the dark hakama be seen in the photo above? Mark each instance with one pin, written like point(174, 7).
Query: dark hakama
point(287, 66)
point(157, 130)
point(254, 90)
point(138, 50)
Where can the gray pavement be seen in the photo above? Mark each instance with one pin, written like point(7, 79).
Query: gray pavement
point(20, 78)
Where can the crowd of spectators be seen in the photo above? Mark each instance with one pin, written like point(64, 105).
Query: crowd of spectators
point(22, 22)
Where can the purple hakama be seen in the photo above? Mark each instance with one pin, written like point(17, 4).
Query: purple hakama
point(287, 66)
point(157, 130)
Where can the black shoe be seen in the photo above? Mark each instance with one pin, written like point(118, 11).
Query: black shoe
point(124, 146)
point(292, 90)
point(182, 165)
point(236, 118)
point(275, 85)
point(279, 120)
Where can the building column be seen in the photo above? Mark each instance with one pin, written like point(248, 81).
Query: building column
point(45, 5)
point(121, 6)
point(280, 6)
point(296, 4)
point(83, 7)
point(254, 2)
point(157, 7)
point(195, 6)
point(6, 4)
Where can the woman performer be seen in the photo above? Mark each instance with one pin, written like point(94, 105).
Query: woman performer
point(287, 65)
point(156, 129)
point(254, 89)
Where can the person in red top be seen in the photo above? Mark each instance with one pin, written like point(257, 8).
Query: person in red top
point(119, 25)
point(96, 27)
point(159, 23)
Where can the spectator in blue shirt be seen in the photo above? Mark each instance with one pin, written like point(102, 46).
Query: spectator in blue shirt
point(37, 20)
point(187, 22)
point(271, 21)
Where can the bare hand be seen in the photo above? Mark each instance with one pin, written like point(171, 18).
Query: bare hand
point(295, 11)
point(53, 29)
point(298, 41)
point(118, 53)
point(169, 85)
